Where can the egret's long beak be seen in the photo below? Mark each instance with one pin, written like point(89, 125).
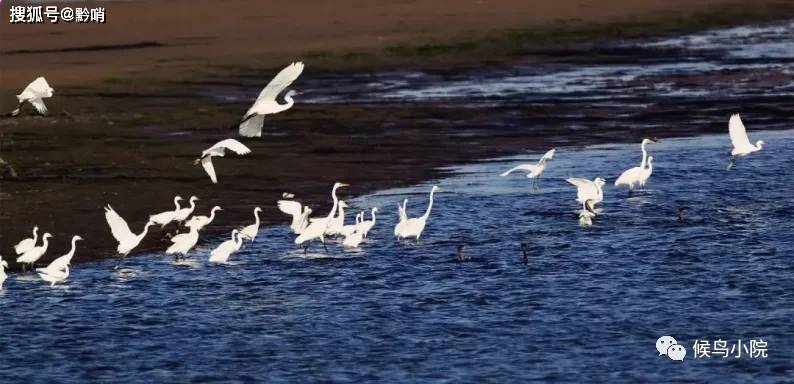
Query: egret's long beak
point(344, 185)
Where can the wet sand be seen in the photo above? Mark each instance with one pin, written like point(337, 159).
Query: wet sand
point(131, 143)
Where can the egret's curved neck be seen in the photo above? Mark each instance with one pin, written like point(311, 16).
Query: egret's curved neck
point(341, 211)
point(644, 156)
point(650, 166)
point(289, 103)
point(373, 216)
point(192, 204)
point(145, 230)
point(46, 242)
point(74, 247)
point(238, 242)
point(256, 215)
point(429, 205)
point(212, 215)
point(176, 204)
point(35, 234)
point(336, 203)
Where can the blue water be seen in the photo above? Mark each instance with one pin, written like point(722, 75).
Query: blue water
point(588, 306)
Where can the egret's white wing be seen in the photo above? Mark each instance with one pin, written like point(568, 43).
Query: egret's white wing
point(206, 162)
point(579, 182)
point(118, 226)
point(36, 89)
point(38, 103)
point(233, 145)
point(282, 80)
point(548, 155)
point(529, 168)
point(738, 132)
point(58, 264)
point(290, 207)
point(253, 126)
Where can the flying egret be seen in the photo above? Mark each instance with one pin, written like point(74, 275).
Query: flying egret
point(266, 104)
point(250, 232)
point(534, 170)
point(122, 233)
point(366, 225)
point(53, 276)
point(33, 255)
point(646, 172)
point(402, 217)
point(337, 222)
point(287, 195)
point(413, 227)
point(164, 218)
point(587, 213)
point(183, 243)
point(222, 252)
point(3, 275)
point(34, 93)
point(300, 214)
point(586, 189)
point(633, 176)
point(316, 228)
point(740, 141)
point(199, 222)
point(219, 150)
point(183, 213)
point(26, 245)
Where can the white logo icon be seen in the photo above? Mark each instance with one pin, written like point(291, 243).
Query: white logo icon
point(666, 345)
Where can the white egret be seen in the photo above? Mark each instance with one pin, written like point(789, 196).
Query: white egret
point(586, 189)
point(300, 214)
point(587, 213)
point(316, 228)
point(366, 225)
point(3, 275)
point(199, 222)
point(65, 260)
point(413, 227)
point(633, 176)
point(250, 232)
point(182, 243)
point(646, 172)
point(266, 104)
point(353, 239)
point(740, 140)
point(164, 218)
point(347, 230)
point(287, 195)
point(402, 217)
point(183, 213)
point(27, 244)
point(219, 150)
point(122, 233)
point(33, 255)
point(222, 252)
point(337, 222)
point(34, 93)
point(533, 170)
point(53, 276)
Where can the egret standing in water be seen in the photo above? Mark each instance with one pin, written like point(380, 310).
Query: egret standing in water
point(588, 190)
point(3, 275)
point(58, 270)
point(219, 150)
point(266, 104)
point(183, 243)
point(740, 140)
point(646, 173)
point(250, 232)
point(337, 222)
point(366, 225)
point(222, 252)
point(122, 233)
point(27, 244)
point(34, 93)
point(199, 222)
point(402, 217)
point(33, 255)
point(164, 218)
point(415, 226)
point(300, 214)
point(316, 228)
point(534, 170)
point(637, 175)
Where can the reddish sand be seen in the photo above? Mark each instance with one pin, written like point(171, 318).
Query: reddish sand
point(175, 37)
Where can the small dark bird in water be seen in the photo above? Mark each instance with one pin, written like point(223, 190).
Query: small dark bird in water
point(459, 254)
point(525, 251)
point(681, 212)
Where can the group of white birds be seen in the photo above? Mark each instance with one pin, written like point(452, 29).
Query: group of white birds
point(307, 229)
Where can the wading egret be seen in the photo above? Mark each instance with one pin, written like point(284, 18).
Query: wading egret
point(65, 260)
point(646, 172)
point(27, 244)
point(337, 222)
point(353, 240)
point(414, 227)
point(222, 252)
point(164, 218)
point(366, 225)
point(121, 232)
point(34, 93)
point(586, 189)
point(250, 232)
point(183, 213)
point(740, 141)
point(219, 150)
point(534, 170)
point(316, 228)
point(3, 275)
point(402, 217)
point(633, 176)
point(53, 276)
point(348, 230)
point(300, 214)
point(199, 222)
point(183, 243)
point(266, 104)
point(33, 255)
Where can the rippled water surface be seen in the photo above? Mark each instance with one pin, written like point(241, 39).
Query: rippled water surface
point(588, 306)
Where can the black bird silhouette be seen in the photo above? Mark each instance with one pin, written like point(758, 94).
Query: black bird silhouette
point(681, 212)
point(525, 251)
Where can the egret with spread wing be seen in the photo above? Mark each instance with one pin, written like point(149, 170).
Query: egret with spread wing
point(122, 233)
point(741, 142)
point(300, 214)
point(34, 93)
point(219, 150)
point(588, 190)
point(534, 170)
point(266, 103)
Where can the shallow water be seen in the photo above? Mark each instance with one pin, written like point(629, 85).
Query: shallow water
point(588, 306)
